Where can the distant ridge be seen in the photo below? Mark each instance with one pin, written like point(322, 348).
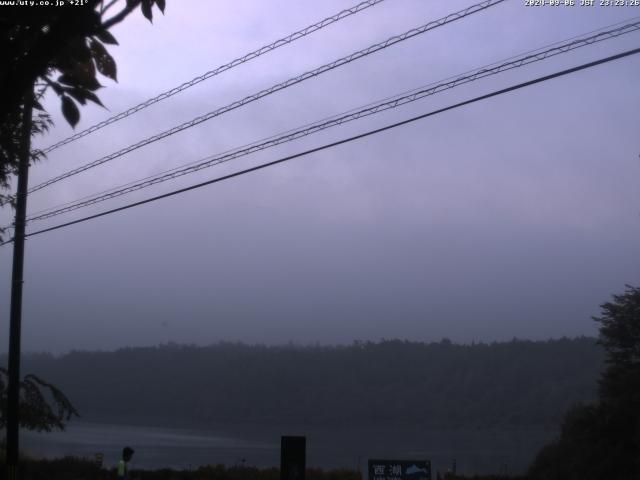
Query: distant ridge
point(441, 384)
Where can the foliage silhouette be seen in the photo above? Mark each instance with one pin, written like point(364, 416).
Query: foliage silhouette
point(62, 49)
point(440, 384)
point(602, 440)
point(43, 407)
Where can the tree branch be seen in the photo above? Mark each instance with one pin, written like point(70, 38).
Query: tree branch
point(131, 6)
point(104, 9)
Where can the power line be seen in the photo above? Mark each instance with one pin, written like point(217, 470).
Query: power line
point(580, 37)
point(309, 129)
point(218, 70)
point(343, 141)
point(280, 86)
point(387, 104)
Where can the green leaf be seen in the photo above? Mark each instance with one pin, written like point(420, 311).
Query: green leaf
point(82, 80)
point(106, 37)
point(57, 87)
point(81, 95)
point(146, 9)
point(78, 50)
point(70, 111)
point(64, 78)
point(104, 62)
point(80, 75)
point(93, 97)
point(77, 94)
point(92, 84)
point(161, 5)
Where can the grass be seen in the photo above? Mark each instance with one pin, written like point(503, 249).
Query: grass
point(73, 468)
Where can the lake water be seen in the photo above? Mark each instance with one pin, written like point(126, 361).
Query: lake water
point(475, 451)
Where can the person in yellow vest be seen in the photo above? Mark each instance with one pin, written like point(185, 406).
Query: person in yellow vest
point(123, 471)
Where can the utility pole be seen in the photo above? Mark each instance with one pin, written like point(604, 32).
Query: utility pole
point(13, 395)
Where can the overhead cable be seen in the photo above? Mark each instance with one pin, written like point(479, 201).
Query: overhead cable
point(310, 129)
point(343, 141)
point(280, 86)
point(582, 36)
point(218, 70)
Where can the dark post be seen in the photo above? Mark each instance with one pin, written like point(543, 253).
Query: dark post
point(13, 395)
point(293, 458)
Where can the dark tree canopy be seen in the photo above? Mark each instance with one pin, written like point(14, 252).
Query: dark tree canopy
point(620, 337)
point(62, 49)
point(57, 48)
point(431, 385)
point(602, 440)
point(43, 407)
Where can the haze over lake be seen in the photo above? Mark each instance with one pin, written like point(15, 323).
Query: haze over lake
point(479, 451)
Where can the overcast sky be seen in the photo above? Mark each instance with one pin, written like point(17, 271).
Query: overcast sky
point(514, 217)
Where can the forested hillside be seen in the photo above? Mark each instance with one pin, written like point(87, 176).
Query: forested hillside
point(517, 383)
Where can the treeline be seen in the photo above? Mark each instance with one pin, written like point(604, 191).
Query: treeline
point(65, 468)
point(517, 383)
